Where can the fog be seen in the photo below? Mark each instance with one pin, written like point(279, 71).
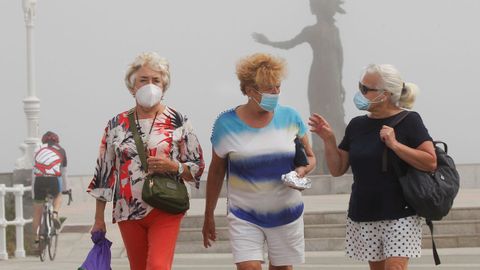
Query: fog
point(83, 49)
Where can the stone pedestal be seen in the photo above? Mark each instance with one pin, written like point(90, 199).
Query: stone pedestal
point(22, 176)
point(6, 179)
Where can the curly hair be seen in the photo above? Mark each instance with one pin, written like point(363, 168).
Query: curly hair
point(153, 61)
point(260, 69)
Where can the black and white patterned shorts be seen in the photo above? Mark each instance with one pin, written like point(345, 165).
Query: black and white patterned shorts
point(379, 240)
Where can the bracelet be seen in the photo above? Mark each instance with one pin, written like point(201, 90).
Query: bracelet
point(180, 168)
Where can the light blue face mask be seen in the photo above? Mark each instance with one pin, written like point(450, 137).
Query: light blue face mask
point(363, 103)
point(268, 102)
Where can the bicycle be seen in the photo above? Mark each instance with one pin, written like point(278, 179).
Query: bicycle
point(48, 236)
point(48, 233)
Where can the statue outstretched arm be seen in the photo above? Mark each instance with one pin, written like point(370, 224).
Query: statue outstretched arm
point(287, 44)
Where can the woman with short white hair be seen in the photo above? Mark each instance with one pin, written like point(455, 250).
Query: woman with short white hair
point(149, 234)
point(381, 227)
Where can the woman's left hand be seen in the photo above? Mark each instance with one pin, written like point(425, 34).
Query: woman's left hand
point(161, 165)
point(387, 135)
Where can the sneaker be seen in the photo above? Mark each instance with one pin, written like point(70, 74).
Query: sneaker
point(56, 221)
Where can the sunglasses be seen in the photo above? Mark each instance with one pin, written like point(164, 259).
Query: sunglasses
point(268, 90)
point(365, 89)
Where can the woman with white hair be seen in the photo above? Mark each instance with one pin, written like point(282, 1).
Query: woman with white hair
point(381, 227)
point(149, 234)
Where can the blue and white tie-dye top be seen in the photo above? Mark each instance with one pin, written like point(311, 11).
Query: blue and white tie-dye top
point(257, 158)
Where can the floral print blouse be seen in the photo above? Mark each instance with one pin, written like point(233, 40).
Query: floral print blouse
point(118, 175)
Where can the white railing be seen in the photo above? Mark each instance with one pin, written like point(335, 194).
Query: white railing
point(19, 221)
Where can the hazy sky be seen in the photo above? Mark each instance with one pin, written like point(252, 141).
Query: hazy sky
point(83, 49)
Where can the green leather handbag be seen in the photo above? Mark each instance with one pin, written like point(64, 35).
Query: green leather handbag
point(165, 193)
point(161, 191)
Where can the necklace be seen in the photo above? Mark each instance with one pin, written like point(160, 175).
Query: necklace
point(149, 132)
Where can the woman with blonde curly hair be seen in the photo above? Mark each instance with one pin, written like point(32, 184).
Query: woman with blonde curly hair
point(171, 147)
point(256, 141)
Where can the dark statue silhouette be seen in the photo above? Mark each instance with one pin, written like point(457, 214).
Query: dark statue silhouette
point(325, 91)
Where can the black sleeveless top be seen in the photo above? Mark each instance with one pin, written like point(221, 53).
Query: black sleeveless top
point(377, 195)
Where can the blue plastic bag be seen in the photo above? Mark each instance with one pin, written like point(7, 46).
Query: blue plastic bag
point(100, 256)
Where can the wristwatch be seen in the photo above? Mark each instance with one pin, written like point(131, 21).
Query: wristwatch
point(180, 168)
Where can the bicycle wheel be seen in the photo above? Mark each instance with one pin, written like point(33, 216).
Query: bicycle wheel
point(52, 239)
point(43, 238)
point(42, 249)
point(52, 246)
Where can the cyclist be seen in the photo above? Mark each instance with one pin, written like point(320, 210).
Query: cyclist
point(49, 178)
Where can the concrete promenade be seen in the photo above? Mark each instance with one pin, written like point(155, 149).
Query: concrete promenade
point(452, 259)
point(74, 245)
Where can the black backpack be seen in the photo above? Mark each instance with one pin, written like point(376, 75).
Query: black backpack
point(430, 194)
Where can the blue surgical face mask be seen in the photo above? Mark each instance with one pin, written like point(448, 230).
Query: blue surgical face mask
point(268, 102)
point(364, 103)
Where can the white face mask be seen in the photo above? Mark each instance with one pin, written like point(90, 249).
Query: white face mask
point(149, 95)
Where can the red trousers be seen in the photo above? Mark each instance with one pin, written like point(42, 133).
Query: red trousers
point(150, 242)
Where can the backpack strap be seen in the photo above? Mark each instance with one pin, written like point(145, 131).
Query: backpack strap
point(395, 122)
point(137, 139)
point(436, 258)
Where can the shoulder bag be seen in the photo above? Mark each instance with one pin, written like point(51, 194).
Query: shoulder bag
point(430, 194)
point(161, 191)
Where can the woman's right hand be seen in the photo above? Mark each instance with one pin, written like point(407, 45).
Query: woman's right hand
point(99, 225)
point(321, 127)
point(208, 231)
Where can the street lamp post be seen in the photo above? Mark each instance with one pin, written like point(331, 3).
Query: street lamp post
point(31, 104)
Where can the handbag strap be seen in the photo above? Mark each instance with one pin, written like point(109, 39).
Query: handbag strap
point(395, 122)
point(137, 139)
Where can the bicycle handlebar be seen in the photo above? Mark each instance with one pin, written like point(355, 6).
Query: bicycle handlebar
point(69, 193)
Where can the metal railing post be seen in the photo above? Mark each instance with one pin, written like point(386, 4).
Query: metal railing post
point(19, 221)
point(3, 225)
